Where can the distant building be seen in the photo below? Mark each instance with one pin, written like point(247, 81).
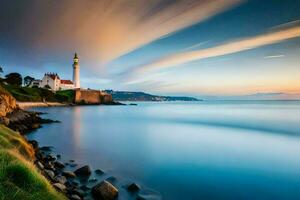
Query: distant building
point(52, 80)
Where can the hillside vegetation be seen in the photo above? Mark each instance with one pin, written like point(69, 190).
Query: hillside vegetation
point(38, 94)
point(19, 179)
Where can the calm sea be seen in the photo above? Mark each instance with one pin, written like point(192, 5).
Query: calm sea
point(185, 151)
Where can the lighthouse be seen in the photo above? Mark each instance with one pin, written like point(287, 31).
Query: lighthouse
point(76, 68)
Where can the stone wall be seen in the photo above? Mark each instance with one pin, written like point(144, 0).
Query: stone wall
point(92, 97)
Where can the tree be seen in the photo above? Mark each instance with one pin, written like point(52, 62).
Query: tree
point(14, 79)
point(28, 80)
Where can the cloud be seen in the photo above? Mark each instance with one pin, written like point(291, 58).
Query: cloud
point(274, 56)
point(105, 30)
point(223, 49)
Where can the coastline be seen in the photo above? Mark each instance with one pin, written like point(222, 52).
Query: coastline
point(24, 105)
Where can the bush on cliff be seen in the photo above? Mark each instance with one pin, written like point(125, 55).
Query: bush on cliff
point(38, 94)
point(19, 179)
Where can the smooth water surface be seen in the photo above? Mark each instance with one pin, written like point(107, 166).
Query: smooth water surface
point(197, 150)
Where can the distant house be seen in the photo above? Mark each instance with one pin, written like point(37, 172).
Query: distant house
point(35, 83)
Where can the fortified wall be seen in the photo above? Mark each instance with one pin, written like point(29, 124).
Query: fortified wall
point(92, 97)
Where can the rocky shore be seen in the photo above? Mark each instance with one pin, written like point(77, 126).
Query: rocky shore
point(76, 183)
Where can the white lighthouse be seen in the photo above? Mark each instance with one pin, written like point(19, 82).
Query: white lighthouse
point(76, 68)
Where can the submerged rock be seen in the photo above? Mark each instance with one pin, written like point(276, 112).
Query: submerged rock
point(133, 187)
point(45, 148)
point(83, 171)
point(104, 191)
point(92, 180)
point(99, 171)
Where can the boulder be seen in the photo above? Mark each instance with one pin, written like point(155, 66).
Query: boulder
point(104, 191)
point(60, 187)
point(39, 165)
point(49, 173)
point(69, 174)
point(83, 171)
point(60, 179)
point(75, 197)
point(58, 164)
point(133, 187)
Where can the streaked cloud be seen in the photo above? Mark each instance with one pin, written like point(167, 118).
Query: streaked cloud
point(223, 49)
point(274, 56)
point(105, 30)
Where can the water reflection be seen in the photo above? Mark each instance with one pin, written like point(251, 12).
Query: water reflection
point(208, 150)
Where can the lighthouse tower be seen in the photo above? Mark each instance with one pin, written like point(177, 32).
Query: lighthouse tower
point(76, 68)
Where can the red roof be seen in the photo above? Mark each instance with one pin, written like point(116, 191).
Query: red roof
point(52, 75)
point(66, 82)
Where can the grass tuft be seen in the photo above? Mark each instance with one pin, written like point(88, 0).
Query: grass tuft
point(19, 179)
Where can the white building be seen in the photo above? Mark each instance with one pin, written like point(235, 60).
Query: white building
point(53, 82)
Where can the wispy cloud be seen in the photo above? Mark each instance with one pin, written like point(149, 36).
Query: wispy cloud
point(223, 49)
point(274, 56)
point(106, 29)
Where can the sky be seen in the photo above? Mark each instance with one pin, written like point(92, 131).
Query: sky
point(171, 47)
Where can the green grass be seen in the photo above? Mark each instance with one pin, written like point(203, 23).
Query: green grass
point(38, 94)
point(65, 96)
point(19, 179)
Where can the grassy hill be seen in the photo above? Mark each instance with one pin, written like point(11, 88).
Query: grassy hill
point(19, 179)
point(39, 94)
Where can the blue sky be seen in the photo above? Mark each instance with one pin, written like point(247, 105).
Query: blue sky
point(162, 47)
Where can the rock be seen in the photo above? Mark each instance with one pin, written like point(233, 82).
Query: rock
point(58, 164)
point(60, 187)
point(104, 191)
point(48, 165)
point(34, 143)
point(49, 173)
point(60, 179)
point(133, 187)
point(69, 174)
point(45, 148)
point(84, 188)
point(83, 171)
point(71, 161)
point(58, 156)
point(35, 126)
point(92, 180)
point(39, 165)
point(50, 158)
point(80, 193)
point(75, 197)
point(99, 171)
point(73, 165)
